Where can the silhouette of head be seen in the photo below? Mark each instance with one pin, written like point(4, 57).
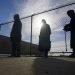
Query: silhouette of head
point(44, 21)
point(70, 13)
point(16, 17)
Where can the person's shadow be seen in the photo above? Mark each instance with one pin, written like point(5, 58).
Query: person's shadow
point(53, 66)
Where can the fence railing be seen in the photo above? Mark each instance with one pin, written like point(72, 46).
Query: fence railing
point(59, 7)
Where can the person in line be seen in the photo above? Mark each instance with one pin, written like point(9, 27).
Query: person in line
point(15, 36)
point(44, 38)
point(71, 27)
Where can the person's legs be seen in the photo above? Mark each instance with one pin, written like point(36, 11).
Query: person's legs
point(13, 53)
point(74, 51)
point(46, 53)
point(18, 49)
point(73, 54)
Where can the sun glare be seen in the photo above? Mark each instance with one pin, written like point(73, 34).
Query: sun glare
point(37, 22)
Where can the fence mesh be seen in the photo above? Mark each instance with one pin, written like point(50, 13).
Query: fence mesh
point(57, 19)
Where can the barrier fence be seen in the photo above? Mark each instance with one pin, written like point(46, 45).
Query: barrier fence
point(57, 19)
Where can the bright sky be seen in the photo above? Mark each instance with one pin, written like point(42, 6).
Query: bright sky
point(56, 19)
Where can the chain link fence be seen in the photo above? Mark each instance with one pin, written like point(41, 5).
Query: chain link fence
point(31, 25)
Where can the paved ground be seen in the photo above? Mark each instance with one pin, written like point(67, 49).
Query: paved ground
point(37, 66)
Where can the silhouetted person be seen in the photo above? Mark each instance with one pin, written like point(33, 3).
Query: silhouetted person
point(16, 36)
point(44, 38)
point(71, 27)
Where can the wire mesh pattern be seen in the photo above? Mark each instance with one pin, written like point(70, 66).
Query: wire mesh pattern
point(56, 18)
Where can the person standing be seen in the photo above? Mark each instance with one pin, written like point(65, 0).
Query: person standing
point(44, 38)
point(71, 27)
point(15, 36)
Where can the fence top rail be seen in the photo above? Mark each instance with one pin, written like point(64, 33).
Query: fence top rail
point(60, 52)
point(62, 6)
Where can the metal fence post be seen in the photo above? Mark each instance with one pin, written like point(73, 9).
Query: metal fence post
point(65, 41)
point(31, 35)
point(0, 27)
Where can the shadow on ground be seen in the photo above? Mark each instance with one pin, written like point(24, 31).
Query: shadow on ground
point(53, 66)
point(37, 66)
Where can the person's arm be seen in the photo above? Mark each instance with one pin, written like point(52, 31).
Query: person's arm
point(67, 27)
point(49, 29)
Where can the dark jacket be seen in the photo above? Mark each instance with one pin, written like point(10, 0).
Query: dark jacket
point(71, 27)
point(44, 38)
point(16, 31)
